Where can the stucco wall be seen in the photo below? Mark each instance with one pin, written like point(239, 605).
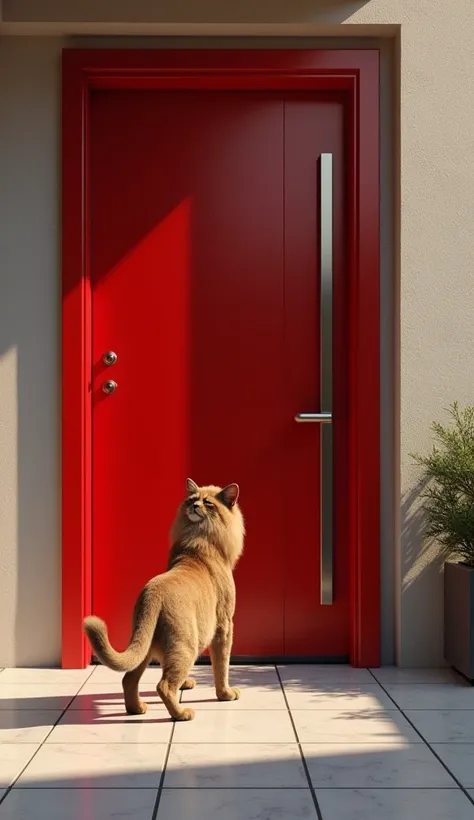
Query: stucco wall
point(29, 353)
point(428, 199)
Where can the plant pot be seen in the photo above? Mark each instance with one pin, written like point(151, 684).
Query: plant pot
point(459, 618)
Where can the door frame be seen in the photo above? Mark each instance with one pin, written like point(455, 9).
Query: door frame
point(355, 72)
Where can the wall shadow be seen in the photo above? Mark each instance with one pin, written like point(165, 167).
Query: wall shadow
point(422, 579)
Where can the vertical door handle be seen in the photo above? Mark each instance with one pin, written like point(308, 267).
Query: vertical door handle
point(325, 417)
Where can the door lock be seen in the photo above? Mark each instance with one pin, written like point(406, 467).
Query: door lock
point(109, 387)
point(109, 358)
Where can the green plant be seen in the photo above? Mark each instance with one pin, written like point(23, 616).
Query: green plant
point(448, 485)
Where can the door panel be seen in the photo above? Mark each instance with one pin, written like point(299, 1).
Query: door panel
point(205, 282)
point(312, 129)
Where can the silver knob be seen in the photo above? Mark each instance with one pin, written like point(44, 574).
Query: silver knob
point(109, 386)
point(109, 358)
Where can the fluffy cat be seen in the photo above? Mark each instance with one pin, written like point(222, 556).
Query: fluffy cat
point(187, 609)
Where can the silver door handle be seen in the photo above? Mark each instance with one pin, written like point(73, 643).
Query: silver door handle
point(313, 418)
point(325, 417)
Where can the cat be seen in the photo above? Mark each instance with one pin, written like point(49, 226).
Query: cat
point(187, 609)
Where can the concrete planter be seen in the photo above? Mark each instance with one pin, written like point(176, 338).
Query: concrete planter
point(459, 618)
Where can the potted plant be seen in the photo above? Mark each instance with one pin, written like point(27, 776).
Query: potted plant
point(448, 501)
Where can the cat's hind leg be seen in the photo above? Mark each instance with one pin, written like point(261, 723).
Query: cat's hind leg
point(133, 703)
point(175, 676)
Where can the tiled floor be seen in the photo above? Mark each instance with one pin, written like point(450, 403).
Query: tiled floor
point(304, 742)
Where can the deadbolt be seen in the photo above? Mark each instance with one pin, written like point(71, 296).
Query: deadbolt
point(109, 386)
point(109, 358)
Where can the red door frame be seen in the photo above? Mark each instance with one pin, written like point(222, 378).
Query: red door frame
point(356, 72)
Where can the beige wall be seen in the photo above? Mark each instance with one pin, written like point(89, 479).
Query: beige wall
point(29, 353)
point(428, 94)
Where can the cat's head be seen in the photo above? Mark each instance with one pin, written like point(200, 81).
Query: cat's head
point(208, 505)
point(212, 513)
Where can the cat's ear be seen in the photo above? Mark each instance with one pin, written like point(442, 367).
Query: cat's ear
point(191, 486)
point(229, 495)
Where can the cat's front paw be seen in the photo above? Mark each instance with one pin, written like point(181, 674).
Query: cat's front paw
point(228, 694)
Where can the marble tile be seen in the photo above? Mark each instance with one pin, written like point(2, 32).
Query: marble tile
point(343, 726)
point(235, 765)
point(394, 804)
point(360, 696)
point(239, 676)
point(251, 697)
point(333, 765)
point(62, 676)
point(302, 675)
point(37, 695)
point(395, 674)
point(78, 804)
point(102, 674)
point(444, 726)
point(26, 726)
point(459, 758)
point(94, 765)
point(226, 726)
point(236, 804)
point(112, 726)
point(435, 696)
point(96, 696)
point(13, 758)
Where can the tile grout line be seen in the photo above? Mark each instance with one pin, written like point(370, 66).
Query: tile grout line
point(425, 741)
point(303, 759)
point(163, 774)
point(165, 764)
point(15, 779)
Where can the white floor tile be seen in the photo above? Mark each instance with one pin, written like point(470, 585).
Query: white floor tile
point(251, 697)
point(78, 804)
point(37, 695)
point(435, 696)
point(342, 726)
point(13, 758)
point(102, 674)
point(323, 674)
point(459, 758)
point(444, 726)
point(226, 726)
point(236, 804)
point(111, 727)
point(396, 674)
point(338, 696)
point(373, 766)
point(26, 726)
point(94, 765)
point(394, 804)
point(62, 676)
point(239, 676)
point(235, 765)
point(98, 695)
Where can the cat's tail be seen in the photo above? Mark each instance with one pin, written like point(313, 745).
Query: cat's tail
point(147, 610)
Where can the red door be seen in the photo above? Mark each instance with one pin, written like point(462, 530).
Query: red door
point(205, 209)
